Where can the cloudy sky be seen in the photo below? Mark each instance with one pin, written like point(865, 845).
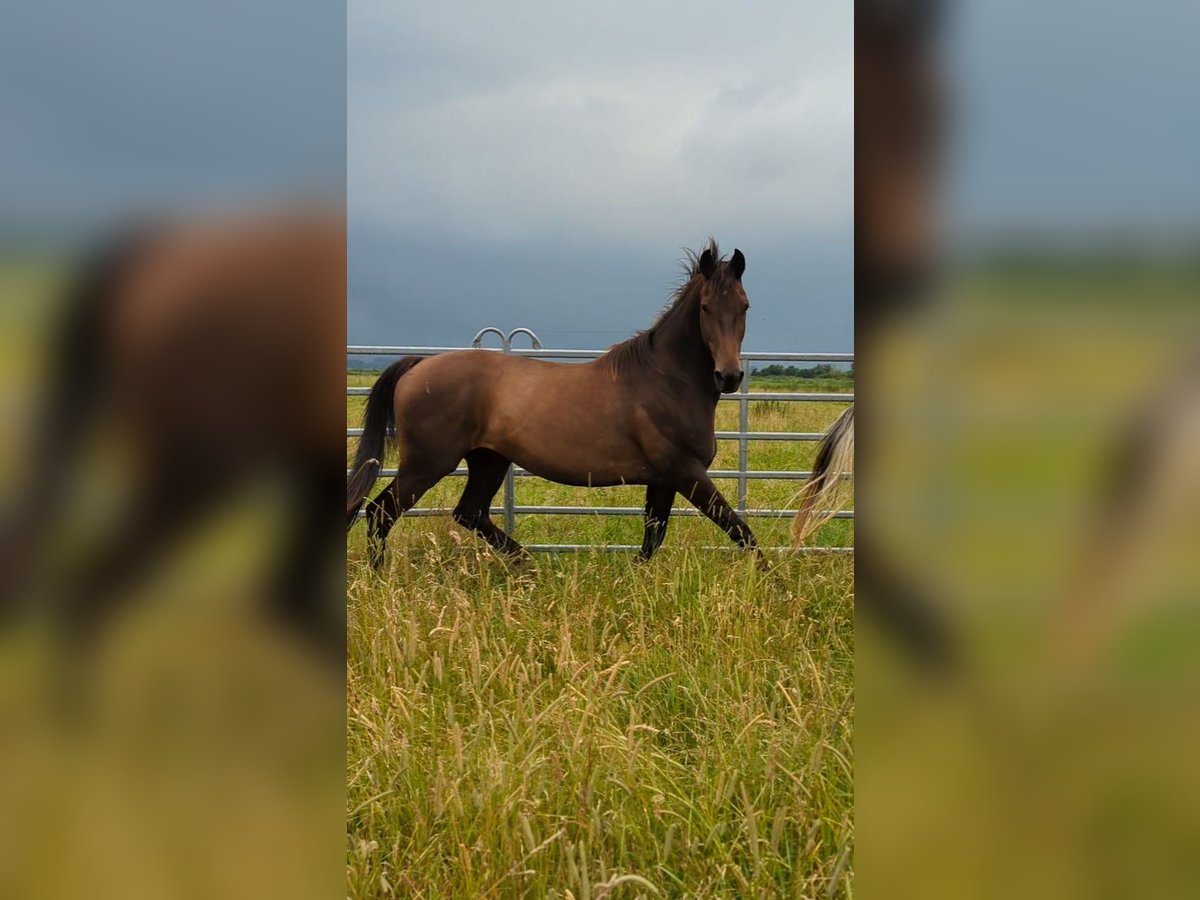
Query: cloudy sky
point(111, 108)
point(1072, 116)
point(544, 164)
point(514, 164)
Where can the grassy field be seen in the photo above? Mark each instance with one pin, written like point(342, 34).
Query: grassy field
point(586, 726)
point(843, 384)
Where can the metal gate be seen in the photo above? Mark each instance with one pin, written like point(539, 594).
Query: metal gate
point(511, 509)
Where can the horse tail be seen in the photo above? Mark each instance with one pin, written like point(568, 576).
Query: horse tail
point(360, 483)
point(379, 423)
point(75, 390)
point(835, 458)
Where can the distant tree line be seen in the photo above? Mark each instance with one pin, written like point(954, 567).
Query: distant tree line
point(821, 370)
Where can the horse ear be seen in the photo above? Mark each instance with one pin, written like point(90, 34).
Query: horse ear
point(737, 265)
point(708, 263)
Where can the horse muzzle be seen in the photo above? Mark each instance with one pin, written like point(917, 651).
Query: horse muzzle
point(728, 382)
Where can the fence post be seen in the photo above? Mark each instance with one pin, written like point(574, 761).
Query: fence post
point(510, 501)
point(510, 481)
point(510, 484)
point(743, 448)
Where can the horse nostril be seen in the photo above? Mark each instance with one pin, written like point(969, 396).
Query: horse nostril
point(738, 376)
point(727, 381)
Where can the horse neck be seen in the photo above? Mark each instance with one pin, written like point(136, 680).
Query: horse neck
point(679, 347)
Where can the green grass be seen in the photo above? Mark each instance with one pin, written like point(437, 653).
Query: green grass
point(527, 733)
point(842, 384)
point(587, 726)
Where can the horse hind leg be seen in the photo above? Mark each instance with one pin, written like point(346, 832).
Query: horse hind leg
point(382, 513)
point(485, 474)
point(409, 485)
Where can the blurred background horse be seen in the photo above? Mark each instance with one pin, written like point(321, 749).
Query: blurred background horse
point(897, 143)
point(207, 356)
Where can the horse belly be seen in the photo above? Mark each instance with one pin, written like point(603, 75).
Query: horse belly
point(599, 474)
point(562, 432)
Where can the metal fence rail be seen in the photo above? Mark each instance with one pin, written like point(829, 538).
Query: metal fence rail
point(510, 509)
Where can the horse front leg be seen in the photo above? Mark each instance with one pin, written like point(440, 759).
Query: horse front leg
point(658, 512)
point(703, 494)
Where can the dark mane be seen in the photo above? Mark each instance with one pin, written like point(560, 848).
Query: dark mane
point(636, 350)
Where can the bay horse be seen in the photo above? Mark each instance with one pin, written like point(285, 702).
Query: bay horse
point(643, 413)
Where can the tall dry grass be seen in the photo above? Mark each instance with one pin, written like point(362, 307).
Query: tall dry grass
point(587, 726)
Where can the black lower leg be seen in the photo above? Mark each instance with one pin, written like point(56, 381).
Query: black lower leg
point(481, 523)
point(486, 471)
point(381, 516)
point(704, 494)
point(658, 513)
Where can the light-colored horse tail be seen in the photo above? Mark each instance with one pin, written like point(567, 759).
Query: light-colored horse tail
point(818, 498)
